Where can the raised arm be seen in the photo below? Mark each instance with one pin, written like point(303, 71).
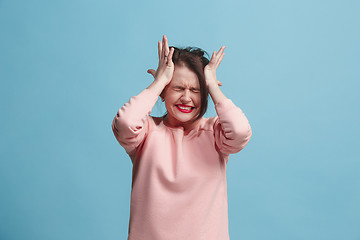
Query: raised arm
point(131, 122)
point(232, 129)
point(210, 76)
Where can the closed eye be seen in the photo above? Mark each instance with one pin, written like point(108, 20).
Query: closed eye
point(177, 88)
point(195, 90)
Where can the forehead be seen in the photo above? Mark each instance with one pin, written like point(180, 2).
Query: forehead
point(185, 77)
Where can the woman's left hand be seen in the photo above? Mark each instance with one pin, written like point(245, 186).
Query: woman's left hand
point(210, 68)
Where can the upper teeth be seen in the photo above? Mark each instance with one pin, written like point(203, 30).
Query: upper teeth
point(185, 108)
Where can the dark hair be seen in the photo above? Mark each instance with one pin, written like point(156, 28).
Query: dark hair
point(194, 58)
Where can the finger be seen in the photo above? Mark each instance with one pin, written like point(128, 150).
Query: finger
point(159, 49)
point(169, 58)
point(152, 72)
point(219, 54)
point(221, 50)
point(219, 83)
point(162, 47)
point(213, 58)
point(220, 59)
point(166, 46)
point(165, 51)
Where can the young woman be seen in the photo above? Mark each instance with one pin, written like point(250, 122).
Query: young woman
point(179, 189)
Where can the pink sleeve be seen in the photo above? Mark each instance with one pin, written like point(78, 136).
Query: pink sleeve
point(232, 129)
point(131, 122)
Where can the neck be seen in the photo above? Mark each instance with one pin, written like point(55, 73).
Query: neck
point(188, 126)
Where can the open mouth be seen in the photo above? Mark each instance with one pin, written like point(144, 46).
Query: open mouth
point(184, 108)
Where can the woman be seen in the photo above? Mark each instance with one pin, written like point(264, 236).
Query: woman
point(179, 189)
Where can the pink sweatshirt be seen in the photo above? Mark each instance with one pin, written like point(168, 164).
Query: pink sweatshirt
point(179, 189)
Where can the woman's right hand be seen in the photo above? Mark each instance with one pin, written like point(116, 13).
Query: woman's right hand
point(165, 69)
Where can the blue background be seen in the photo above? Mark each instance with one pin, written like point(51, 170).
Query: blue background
point(291, 66)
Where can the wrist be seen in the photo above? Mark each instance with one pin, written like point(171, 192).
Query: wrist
point(162, 80)
point(157, 86)
point(213, 86)
point(216, 94)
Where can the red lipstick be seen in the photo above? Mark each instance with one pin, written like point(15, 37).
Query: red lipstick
point(184, 108)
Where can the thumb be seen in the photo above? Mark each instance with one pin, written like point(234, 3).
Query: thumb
point(219, 83)
point(152, 72)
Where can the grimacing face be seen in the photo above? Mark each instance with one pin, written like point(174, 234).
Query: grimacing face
point(182, 97)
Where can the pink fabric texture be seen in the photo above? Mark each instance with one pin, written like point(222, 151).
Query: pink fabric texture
point(179, 188)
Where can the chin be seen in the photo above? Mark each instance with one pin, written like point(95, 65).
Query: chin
point(186, 119)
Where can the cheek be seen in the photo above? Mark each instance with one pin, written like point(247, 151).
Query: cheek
point(197, 100)
point(170, 99)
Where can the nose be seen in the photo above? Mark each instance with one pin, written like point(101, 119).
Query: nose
point(186, 96)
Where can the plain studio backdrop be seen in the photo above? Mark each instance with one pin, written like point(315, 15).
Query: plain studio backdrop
point(66, 67)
